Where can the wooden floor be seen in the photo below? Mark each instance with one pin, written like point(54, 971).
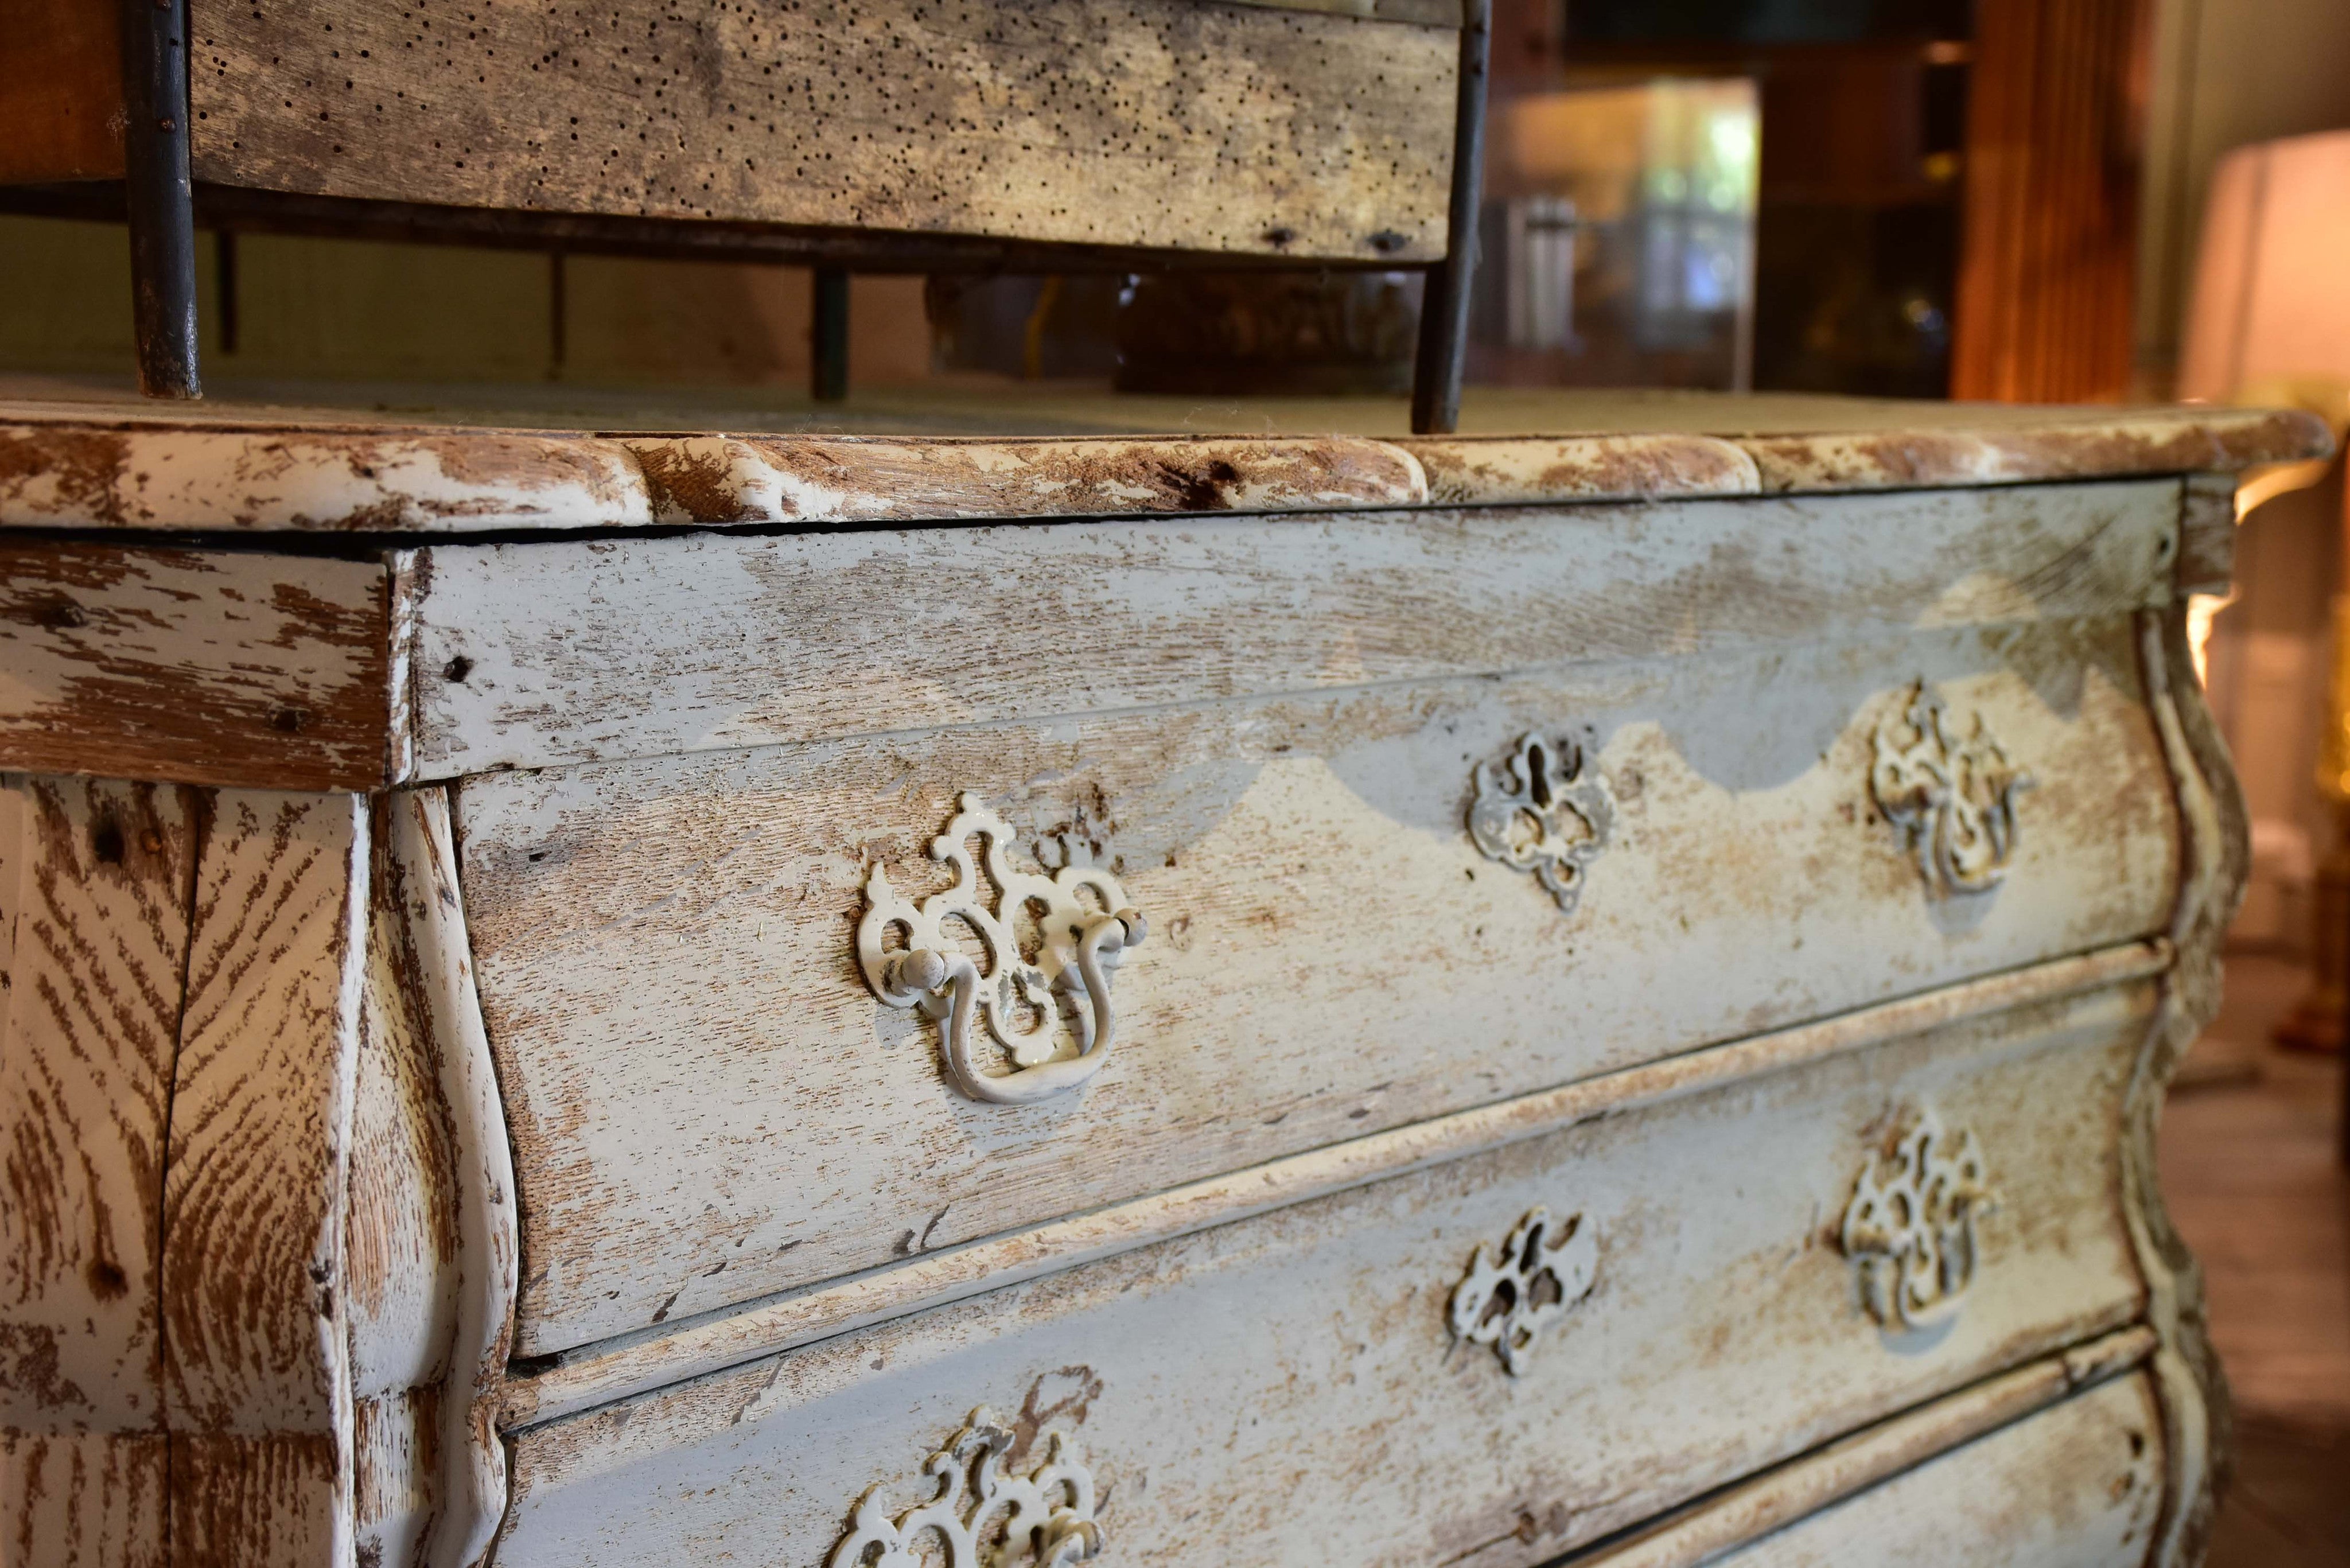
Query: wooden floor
point(2250, 1168)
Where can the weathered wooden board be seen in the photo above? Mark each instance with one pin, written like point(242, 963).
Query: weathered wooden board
point(94, 887)
point(2078, 1487)
point(1165, 124)
point(708, 1105)
point(529, 656)
point(1290, 1384)
point(201, 667)
point(257, 1348)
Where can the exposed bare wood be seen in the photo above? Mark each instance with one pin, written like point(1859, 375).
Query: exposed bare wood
point(71, 474)
point(526, 657)
point(256, 1320)
point(66, 465)
point(2207, 534)
point(1307, 855)
point(1161, 123)
point(94, 884)
point(1296, 1373)
point(201, 667)
point(582, 1381)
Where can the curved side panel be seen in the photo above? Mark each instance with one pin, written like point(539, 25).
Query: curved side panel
point(2212, 822)
point(432, 1217)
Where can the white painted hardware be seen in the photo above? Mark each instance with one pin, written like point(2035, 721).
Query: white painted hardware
point(1536, 812)
point(1952, 801)
point(1911, 1231)
point(1508, 1300)
point(1078, 944)
point(1034, 1529)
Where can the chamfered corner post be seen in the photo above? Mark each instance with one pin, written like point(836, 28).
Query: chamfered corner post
point(1444, 308)
point(158, 197)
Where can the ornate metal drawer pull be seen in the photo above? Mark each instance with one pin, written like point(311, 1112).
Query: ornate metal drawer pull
point(1535, 811)
point(963, 1517)
point(1910, 1231)
point(1508, 1300)
point(1080, 943)
point(1953, 802)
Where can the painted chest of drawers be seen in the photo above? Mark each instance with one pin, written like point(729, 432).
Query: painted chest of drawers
point(613, 1000)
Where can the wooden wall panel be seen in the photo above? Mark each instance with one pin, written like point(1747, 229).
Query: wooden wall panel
point(2048, 258)
point(60, 91)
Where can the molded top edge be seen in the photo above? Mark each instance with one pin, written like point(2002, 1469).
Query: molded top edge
point(94, 466)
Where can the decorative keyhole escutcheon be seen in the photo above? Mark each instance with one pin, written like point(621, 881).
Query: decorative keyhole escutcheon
point(1538, 811)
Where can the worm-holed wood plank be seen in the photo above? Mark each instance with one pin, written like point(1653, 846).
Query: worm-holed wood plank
point(94, 887)
point(201, 667)
point(1291, 1383)
point(527, 657)
point(709, 1105)
point(1152, 123)
point(257, 1309)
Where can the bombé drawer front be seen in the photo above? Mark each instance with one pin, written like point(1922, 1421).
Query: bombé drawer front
point(2079, 1486)
point(752, 1036)
point(1506, 1356)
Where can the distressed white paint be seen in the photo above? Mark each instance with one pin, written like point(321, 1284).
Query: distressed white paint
point(1327, 1330)
point(529, 656)
point(1330, 954)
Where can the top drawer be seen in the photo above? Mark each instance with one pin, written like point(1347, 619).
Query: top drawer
point(709, 1103)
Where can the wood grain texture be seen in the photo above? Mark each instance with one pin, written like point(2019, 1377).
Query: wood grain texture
point(256, 1311)
point(571, 1382)
point(60, 93)
point(708, 1106)
point(2076, 1487)
point(93, 888)
point(1160, 124)
point(529, 657)
point(2049, 220)
point(199, 667)
point(1292, 1378)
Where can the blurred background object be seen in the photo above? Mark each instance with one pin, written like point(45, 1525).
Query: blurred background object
point(2269, 321)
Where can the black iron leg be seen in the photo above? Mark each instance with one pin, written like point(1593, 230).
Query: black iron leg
point(158, 196)
point(1444, 308)
point(828, 335)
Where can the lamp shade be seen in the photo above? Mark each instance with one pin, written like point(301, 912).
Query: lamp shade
point(2272, 292)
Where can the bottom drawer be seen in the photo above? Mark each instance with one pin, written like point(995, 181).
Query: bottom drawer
point(2079, 1486)
point(1290, 1388)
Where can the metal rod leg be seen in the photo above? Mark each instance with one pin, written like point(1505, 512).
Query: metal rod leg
point(158, 196)
point(1444, 308)
point(828, 335)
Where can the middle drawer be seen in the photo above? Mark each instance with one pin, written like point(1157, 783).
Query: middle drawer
point(709, 1105)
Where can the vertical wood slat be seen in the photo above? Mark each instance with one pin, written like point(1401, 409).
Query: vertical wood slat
point(255, 1320)
point(2048, 257)
point(94, 882)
